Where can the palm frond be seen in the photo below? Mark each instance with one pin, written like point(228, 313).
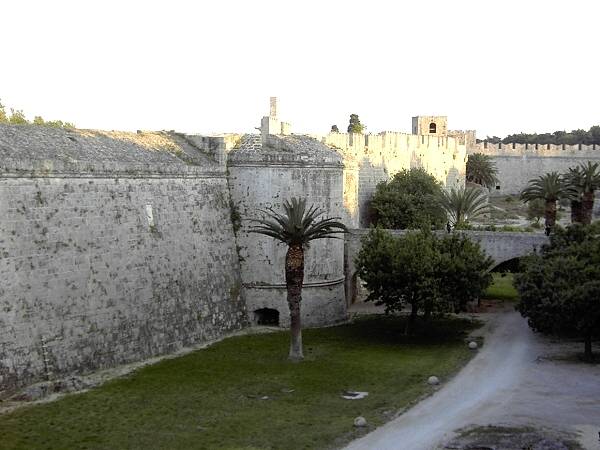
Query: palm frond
point(583, 178)
point(482, 170)
point(464, 204)
point(297, 225)
point(548, 187)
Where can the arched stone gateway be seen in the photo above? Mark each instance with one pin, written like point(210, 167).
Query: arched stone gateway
point(500, 246)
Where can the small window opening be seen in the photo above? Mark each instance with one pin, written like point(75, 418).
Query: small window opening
point(266, 316)
point(432, 127)
point(497, 187)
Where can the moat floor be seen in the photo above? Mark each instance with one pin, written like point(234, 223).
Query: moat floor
point(518, 379)
point(243, 393)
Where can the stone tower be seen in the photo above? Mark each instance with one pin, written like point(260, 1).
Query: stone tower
point(436, 125)
point(271, 124)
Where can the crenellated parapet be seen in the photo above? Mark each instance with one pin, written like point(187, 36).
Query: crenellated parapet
point(519, 163)
point(372, 158)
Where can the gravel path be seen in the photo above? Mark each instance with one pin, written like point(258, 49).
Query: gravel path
point(518, 378)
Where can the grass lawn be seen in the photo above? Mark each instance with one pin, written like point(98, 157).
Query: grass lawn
point(242, 393)
point(502, 288)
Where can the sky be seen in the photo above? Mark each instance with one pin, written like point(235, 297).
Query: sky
point(496, 66)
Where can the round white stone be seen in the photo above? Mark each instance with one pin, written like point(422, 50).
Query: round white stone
point(473, 345)
point(360, 421)
point(433, 380)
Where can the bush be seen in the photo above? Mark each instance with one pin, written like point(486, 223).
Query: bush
point(409, 200)
point(422, 271)
point(560, 288)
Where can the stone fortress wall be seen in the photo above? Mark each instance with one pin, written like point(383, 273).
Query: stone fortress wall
point(114, 247)
point(264, 171)
point(372, 158)
point(519, 163)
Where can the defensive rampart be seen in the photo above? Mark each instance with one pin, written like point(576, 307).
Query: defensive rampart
point(519, 163)
point(372, 158)
point(114, 247)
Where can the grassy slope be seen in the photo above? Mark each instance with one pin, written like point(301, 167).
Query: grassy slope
point(212, 398)
point(502, 288)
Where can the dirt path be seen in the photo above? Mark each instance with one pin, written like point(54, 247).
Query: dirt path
point(517, 379)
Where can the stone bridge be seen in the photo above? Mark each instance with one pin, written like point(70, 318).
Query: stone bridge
point(500, 246)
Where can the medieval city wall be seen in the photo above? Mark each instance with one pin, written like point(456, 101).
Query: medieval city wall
point(519, 163)
point(113, 248)
point(373, 158)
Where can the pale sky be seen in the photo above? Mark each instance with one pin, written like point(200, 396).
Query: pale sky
point(497, 66)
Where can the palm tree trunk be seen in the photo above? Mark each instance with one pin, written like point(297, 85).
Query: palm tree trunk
point(294, 277)
point(587, 207)
point(576, 211)
point(550, 213)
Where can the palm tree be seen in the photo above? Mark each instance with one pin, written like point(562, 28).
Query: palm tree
point(550, 188)
point(572, 178)
point(464, 204)
point(297, 227)
point(481, 170)
point(585, 179)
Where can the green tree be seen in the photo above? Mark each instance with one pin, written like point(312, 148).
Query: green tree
point(335, 129)
point(409, 200)
point(296, 228)
point(584, 180)
point(17, 117)
point(482, 170)
point(463, 271)
point(464, 204)
point(418, 270)
point(3, 116)
point(550, 188)
point(355, 126)
point(560, 288)
point(393, 275)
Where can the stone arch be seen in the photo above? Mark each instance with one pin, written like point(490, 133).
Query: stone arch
point(433, 128)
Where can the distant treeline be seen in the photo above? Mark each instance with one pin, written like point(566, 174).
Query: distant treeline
point(17, 117)
point(592, 136)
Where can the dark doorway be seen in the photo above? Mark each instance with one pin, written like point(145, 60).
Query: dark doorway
point(266, 316)
point(432, 128)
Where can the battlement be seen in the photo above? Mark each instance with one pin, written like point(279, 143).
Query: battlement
point(390, 142)
point(537, 150)
point(372, 158)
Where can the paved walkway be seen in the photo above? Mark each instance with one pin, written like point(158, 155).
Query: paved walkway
point(518, 378)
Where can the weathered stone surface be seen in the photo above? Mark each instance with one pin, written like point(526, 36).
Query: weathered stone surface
point(519, 163)
point(89, 279)
point(265, 176)
point(372, 158)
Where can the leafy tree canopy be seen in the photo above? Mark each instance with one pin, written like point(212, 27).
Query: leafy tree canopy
point(335, 129)
point(592, 136)
point(482, 170)
point(422, 271)
point(17, 117)
point(355, 126)
point(409, 200)
point(560, 288)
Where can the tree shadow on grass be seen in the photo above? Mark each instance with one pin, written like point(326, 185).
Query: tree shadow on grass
point(390, 330)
